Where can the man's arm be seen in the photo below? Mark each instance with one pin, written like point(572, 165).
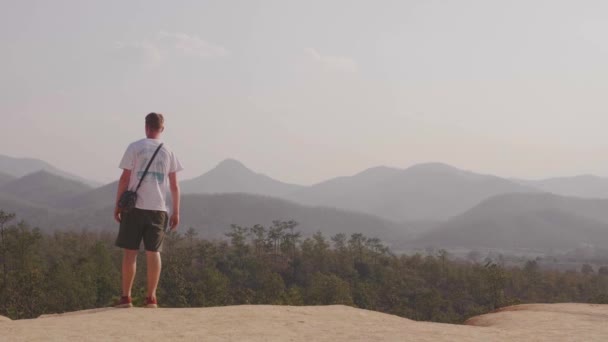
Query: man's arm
point(175, 193)
point(123, 184)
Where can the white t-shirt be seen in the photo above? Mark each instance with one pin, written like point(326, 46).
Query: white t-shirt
point(152, 193)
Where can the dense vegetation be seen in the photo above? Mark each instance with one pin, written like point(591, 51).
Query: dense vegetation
point(68, 271)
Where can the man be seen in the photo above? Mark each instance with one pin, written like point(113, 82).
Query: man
point(148, 220)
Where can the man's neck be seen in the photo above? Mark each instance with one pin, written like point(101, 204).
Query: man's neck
point(153, 133)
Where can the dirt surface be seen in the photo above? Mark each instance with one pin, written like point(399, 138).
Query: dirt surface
point(542, 322)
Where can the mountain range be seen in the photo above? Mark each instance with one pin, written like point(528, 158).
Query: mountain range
point(422, 192)
point(52, 202)
point(524, 221)
point(44, 188)
point(19, 167)
point(584, 186)
point(424, 205)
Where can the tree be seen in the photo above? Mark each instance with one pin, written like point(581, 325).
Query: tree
point(238, 238)
point(328, 290)
point(82, 270)
point(259, 239)
point(495, 278)
point(5, 219)
point(275, 236)
point(356, 244)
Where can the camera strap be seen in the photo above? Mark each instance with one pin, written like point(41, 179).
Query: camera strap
point(148, 166)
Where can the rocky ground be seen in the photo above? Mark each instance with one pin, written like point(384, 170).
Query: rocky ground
point(537, 322)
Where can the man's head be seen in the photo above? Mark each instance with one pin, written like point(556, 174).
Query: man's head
point(155, 124)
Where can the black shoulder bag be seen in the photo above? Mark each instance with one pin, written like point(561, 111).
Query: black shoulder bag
point(129, 197)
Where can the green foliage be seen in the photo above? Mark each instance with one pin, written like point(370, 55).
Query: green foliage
point(70, 271)
point(328, 289)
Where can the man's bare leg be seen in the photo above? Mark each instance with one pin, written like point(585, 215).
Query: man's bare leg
point(154, 266)
point(129, 266)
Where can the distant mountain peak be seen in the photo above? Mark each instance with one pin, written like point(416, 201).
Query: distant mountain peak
point(231, 167)
point(42, 175)
point(378, 172)
point(377, 169)
point(586, 176)
point(19, 167)
point(231, 163)
point(434, 166)
point(231, 176)
point(442, 170)
point(48, 176)
point(44, 188)
point(584, 186)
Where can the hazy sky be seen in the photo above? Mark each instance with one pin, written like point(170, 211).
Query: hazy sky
point(308, 90)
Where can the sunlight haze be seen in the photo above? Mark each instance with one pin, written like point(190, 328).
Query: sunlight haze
point(309, 90)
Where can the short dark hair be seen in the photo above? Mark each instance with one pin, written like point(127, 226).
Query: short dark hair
point(155, 121)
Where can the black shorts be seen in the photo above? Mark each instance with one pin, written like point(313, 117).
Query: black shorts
point(140, 224)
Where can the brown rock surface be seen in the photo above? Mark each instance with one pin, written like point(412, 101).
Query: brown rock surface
point(538, 322)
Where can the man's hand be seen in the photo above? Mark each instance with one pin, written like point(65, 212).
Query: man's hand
point(174, 221)
point(117, 214)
